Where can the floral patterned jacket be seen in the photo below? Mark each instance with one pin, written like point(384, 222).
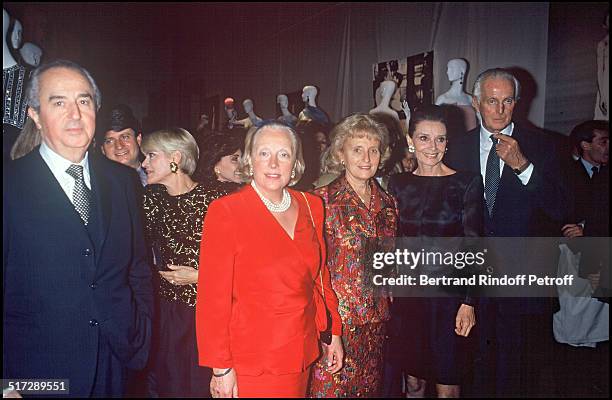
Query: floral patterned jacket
point(352, 233)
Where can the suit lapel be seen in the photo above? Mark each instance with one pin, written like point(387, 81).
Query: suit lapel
point(101, 193)
point(55, 199)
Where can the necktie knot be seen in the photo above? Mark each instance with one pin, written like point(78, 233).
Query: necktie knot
point(595, 170)
point(75, 171)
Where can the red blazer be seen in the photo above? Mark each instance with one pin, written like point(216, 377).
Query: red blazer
point(256, 304)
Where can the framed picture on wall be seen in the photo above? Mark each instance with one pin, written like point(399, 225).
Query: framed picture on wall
point(392, 70)
point(413, 77)
point(419, 80)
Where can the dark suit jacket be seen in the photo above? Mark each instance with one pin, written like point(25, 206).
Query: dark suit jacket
point(589, 199)
point(535, 209)
point(67, 288)
point(520, 211)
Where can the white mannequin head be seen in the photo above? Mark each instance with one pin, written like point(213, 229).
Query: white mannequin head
point(6, 20)
point(309, 93)
point(31, 54)
point(248, 106)
point(387, 88)
point(16, 34)
point(282, 100)
point(456, 69)
point(8, 60)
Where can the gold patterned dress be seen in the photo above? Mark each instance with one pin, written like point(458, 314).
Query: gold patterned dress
point(173, 224)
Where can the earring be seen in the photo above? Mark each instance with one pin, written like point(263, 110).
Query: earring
point(173, 167)
point(411, 149)
point(217, 171)
point(445, 150)
point(342, 162)
point(293, 174)
point(250, 171)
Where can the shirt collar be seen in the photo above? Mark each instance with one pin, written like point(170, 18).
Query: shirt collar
point(340, 191)
point(485, 134)
point(59, 164)
point(588, 165)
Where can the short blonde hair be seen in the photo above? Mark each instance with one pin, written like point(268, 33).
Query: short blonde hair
point(171, 140)
point(246, 161)
point(356, 125)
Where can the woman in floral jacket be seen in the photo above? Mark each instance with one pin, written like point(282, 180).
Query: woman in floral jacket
point(359, 214)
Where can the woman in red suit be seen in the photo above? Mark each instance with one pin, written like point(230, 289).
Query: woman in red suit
point(264, 287)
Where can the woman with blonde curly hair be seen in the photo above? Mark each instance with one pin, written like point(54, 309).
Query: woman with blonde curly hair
point(358, 214)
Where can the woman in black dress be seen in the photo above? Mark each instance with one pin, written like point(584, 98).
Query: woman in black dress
point(175, 206)
point(435, 201)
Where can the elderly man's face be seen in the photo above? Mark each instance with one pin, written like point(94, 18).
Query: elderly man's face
point(496, 103)
point(67, 115)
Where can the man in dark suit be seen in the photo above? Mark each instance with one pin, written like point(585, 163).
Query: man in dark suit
point(76, 287)
point(524, 197)
point(587, 225)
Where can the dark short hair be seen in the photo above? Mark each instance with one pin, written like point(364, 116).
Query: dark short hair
point(219, 145)
point(429, 113)
point(585, 132)
point(116, 119)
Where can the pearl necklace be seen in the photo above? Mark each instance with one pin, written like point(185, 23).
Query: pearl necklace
point(276, 208)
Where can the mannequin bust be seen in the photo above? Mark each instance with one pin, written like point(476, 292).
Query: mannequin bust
point(31, 54)
point(286, 117)
point(311, 112)
point(387, 88)
point(602, 110)
point(230, 111)
point(14, 78)
point(7, 58)
point(252, 119)
point(16, 34)
point(309, 95)
point(456, 96)
point(456, 69)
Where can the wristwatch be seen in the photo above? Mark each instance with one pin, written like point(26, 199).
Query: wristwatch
point(522, 168)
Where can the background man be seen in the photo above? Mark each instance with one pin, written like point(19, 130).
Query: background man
point(120, 137)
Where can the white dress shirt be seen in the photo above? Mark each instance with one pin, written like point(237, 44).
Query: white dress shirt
point(58, 166)
point(589, 167)
point(485, 146)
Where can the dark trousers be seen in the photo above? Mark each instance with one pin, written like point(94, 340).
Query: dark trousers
point(110, 373)
point(582, 371)
point(514, 352)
